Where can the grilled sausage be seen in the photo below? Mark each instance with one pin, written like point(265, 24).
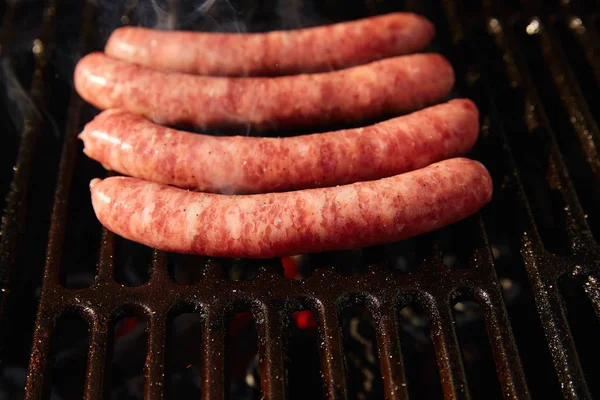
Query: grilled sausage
point(135, 146)
point(275, 53)
point(393, 85)
point(278, 224)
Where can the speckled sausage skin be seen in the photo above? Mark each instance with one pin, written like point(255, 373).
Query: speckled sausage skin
point(278, 224)
point(134, 146)
point(390, 86)
point(316, 49)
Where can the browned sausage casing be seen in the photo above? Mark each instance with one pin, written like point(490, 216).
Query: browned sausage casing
point(278, 224)
point(134, 146)
point(390, 86)
point(316, 49)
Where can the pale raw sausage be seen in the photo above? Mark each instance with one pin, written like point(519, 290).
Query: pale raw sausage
point(385, 87)
point(318, 49)
point(134, 146)
point(278, 224)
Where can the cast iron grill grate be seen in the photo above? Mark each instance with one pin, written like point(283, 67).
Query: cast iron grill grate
point(539, 139)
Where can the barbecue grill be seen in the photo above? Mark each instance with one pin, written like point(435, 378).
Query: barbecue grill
point(505, 303)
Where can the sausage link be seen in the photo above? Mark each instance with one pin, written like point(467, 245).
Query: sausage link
point(278, 224)
point(390, 86)
point(316, 49)
point(134, 146)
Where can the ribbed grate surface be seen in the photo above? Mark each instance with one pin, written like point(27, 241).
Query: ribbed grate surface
point(534, 71)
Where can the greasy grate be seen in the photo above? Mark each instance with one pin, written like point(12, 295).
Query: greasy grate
point(546, 174)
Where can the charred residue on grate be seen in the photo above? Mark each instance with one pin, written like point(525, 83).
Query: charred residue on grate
point(505, 237)
point(576, 135)
point(28, 73)
point(585, 327)
point(542, 271)
point(491, 67)
point(579, 38)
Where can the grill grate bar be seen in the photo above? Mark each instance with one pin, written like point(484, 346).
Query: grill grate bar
point(452, 371)
point(56, 235)
point(38, 384)
point(543, 271)
point(553, 319)
point(390, 353)
point(589, 40)
point(558, 334)
point(96, 362)
point(14, 215)
point(534, 272)
point(155, 359)
point(592, 289)
point(577, 228)
point(571, 95)
point(115, 296)
point(565, 352)
point(105, 297)
point(269, 293)
point(213, 357)
point(503, 346)
point(332, 351)
point(106, 262)
point(271, 352)
point(160, 271)
point(504, 349)
point(213, 272)
point(488, 295)
point(37, 381)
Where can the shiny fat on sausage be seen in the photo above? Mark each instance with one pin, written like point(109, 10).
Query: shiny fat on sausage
point(317, 49)
point(134, 146)
point(390, 86)
point(305, 221)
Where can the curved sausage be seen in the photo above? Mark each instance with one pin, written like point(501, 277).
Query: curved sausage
point(134, 146)
point(316, 49)
point(278, 224)
point(393, 85)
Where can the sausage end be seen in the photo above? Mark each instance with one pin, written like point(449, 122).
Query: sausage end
point(94, 182)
